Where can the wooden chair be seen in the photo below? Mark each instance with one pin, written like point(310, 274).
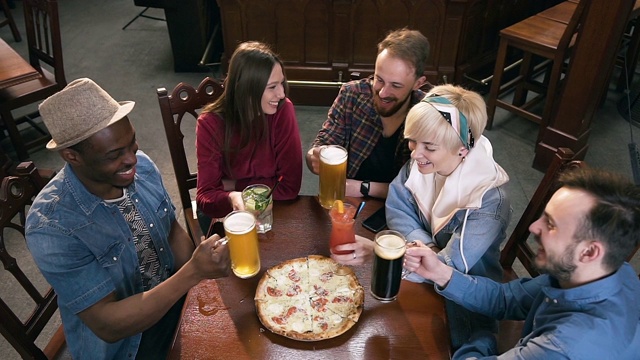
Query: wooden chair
point(535, 36)
point(45, 50)
point(8, 168)
point(9, 21)
point(519, 247)
point(16, 195)
point(178, 107)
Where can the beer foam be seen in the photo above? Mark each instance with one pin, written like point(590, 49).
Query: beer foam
point(333, 155)
point(239, 223)
point(389, 247)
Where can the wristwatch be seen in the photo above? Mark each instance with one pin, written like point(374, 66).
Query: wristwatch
point(364, 188)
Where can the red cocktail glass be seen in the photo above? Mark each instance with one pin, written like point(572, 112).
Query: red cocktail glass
point(342, 227)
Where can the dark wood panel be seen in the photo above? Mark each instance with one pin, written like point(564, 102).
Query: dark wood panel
point(317, 39)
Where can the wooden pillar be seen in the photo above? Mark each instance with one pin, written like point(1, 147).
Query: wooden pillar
point(594, 55)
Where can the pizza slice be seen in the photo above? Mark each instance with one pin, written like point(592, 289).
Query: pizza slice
point(336, 296)
point(287, 317)
point(281, 300)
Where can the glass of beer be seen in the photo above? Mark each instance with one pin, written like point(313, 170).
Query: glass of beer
point(333, 174)
point(255, 201)
point(240, 229)
point(389, 249)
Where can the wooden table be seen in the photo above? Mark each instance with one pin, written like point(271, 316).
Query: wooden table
point(219, 319)
point(13, 68)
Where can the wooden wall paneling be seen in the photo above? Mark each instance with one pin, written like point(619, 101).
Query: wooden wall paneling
point(475, 39)
point(317, 27)
point(319, 39)
point(429, 17)
point(342, 35)
point(231, 19)
point(289, 30)
point(451, 34)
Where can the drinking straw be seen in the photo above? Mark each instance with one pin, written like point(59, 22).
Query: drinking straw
point(274, 187)
point(360, 207)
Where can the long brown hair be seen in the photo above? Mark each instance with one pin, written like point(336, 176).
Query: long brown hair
point(240, 103)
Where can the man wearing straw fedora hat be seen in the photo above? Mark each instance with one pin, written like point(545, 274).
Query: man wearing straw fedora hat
point(104, 233)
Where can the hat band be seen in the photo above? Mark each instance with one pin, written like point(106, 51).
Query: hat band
point(454, 117)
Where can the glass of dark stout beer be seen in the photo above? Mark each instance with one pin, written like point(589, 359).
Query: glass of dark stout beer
point(389, 249)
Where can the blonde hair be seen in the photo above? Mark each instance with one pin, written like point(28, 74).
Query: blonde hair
point(424, 121)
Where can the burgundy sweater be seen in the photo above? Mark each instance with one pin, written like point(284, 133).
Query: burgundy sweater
point(280, 154)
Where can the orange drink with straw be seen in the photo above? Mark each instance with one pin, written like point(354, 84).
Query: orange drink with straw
point(342, 225)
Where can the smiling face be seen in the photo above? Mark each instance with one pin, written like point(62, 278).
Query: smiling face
point(393, 82)
point(432, 157)
point(555, 232)
point(107, 162)
point(274, 91)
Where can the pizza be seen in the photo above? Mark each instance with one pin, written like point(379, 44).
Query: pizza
point(310, 298)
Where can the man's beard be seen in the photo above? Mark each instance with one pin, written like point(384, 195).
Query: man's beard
point(394, 109)
point(560, 267)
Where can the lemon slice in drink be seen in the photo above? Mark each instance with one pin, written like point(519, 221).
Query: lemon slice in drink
point(339, 205)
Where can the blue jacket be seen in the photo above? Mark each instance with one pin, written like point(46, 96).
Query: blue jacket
point(85, 249)
point(472, 198)
point(599, 320)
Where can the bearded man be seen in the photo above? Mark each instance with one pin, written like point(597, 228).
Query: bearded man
point(585, 305)
point(367, 117)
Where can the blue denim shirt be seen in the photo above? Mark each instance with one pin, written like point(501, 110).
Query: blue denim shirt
point(85, 249)
point(599, 320)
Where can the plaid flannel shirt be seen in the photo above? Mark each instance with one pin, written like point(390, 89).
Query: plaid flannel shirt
point(354, 123)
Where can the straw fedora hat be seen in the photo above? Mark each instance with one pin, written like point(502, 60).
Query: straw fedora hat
point(78, 111)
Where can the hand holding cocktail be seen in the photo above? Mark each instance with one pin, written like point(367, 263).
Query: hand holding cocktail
point(357, 253)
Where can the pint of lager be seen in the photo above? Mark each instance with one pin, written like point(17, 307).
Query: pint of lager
point(240, 228)
point(389, 249)
point(333, 174)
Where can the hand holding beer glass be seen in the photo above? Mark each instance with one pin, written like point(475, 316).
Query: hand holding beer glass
point(240, 230)
point(333, 174)
point(387, 273)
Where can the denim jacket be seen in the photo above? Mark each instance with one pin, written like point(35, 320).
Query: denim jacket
point(85, 249)
point(484, 218)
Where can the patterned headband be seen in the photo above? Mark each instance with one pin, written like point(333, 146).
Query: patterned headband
point(454, 117)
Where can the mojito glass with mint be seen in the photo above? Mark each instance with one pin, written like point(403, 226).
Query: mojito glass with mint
point(256, 201)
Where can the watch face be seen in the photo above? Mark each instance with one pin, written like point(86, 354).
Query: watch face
point(364, 188)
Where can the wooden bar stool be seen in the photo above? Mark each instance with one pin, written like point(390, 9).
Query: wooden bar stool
point(561, 13)
point(535, 36)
